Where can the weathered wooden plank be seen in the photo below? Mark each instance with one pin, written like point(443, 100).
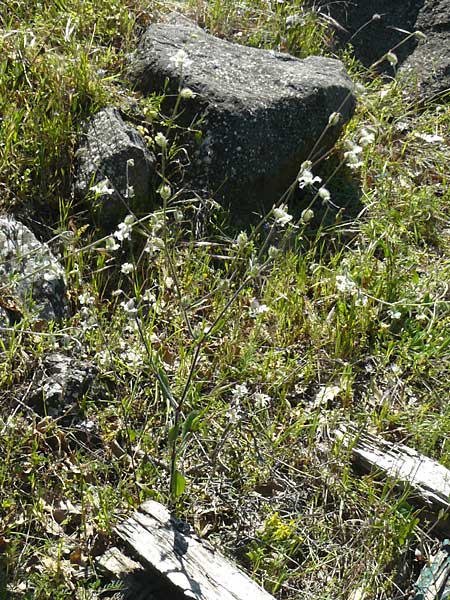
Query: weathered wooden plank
point(193, 567)
point(427, 480)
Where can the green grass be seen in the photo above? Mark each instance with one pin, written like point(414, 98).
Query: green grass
point(219, 394)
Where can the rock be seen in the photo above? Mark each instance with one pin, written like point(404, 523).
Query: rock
point(60, 382)
point(428, 67)
point(112, 150)
point(262, 112)
point(32, 280)
point(373, 27)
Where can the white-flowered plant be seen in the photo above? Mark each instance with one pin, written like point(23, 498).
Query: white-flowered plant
point(346, 285)
point(306, 178)
point(324, 194)
point(261, 400)
point(242, 240)
point(334, 118)
point(353, 155)
point(125, 228)
point(161, 140)
point(180, 60)
point(103, 188)
point(111, 244)
point(187, 93)
point(282, 217)
point(366, 137)
point(307, 215)
point(153, 245)
point(127, 268)
point(129, 307)
point(391, 58)
point(164, 191)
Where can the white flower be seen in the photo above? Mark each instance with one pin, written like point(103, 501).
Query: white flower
point(111, 244)
point(129, 307)
point(180, 60)
point(168, 281)
point(430, 139)
point(366, 137)
point(306, 178)
point(420, 36)
point(86, 298)
point(149, 296)
point(154, 245)
point(103, 188)
point(282, 217)
point(164, 191)
point(273, 252)
point(324, 194)
point(239, 391)
point(396, 369)
point(132, 358)
point(395, 315)
point(242, 240)
point(234, 413)
point(334, 118)
point(130, 192)
point(345, 284)
point(326, 394)
point(261, 400)
point(161, 140)
point(127, 268)
point(353, 160)
point(125, 228)
point(307, 215)
point(187, 93)
point(258, 309)
point(391, 58)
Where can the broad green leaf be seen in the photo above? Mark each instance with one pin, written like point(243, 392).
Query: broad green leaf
point(178, 484)
point(190, 423)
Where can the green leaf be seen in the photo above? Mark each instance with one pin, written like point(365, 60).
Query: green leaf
point(173, 433)
point(191, 423)
point(164, 385)
point(178, 484)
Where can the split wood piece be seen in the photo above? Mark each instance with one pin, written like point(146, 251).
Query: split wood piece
point(427, 480)
point(434, 580)
point(116, 564)
point(191, 567)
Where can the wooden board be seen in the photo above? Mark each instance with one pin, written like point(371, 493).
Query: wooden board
point(427, 480)
point(193, 568)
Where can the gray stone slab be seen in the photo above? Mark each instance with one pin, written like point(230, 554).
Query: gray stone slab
point(262, 113)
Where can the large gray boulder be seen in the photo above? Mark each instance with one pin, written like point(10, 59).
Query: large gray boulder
point(113, 152)
point(428, 67)
point(31, 278)
point(262, 112)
